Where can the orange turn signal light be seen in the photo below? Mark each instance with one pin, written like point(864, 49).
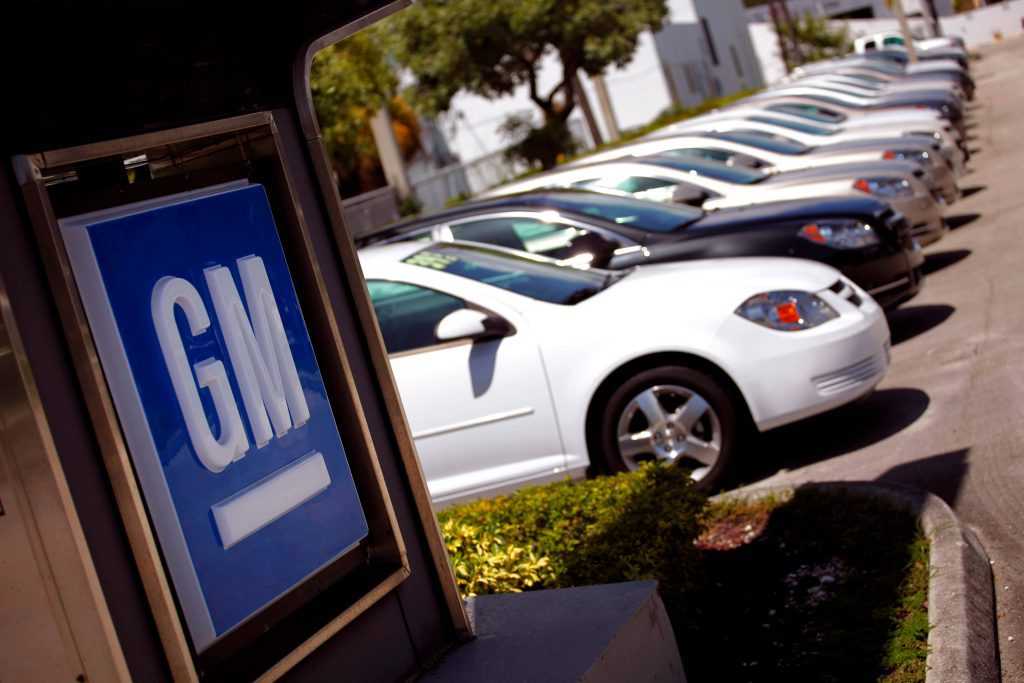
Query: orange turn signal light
point(889, 154)
point(812, 232)
point(788, 313)
point(863, 185)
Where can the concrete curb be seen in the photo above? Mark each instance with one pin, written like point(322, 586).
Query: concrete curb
point(962, 644)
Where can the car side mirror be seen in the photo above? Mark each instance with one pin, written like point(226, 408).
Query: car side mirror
point(467, 323)
point(600, 249)
point(688, 194)
point(745, 161)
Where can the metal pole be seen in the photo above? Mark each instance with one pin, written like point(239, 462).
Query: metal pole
point(604, 103)
point(588, 112)
point(798, 53)
point(908, 39)
point(777, 21)
point(390, 154)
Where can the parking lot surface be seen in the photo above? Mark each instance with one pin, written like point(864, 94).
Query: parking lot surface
point(949, 417)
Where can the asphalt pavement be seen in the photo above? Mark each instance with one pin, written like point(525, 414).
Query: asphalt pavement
point(949, 416)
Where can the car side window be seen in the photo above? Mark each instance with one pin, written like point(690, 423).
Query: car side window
point(702, 153)
point(549, 238)
point(408, 315)
point(641, 187)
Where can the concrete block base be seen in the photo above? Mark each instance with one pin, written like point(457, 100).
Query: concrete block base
point(597, 634)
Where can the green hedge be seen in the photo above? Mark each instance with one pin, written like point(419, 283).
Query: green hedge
point(623, 528)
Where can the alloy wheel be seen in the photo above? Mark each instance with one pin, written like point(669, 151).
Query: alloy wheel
point(669, 423)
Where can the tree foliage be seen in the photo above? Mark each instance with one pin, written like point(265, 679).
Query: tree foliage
point(351, 81)
point(818, 39)
point(492, 47)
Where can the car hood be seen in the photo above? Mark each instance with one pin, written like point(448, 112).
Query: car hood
point(796, 210)
point(841, 171)
point(717, 286)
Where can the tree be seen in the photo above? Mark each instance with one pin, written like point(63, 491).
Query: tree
point(492, 47)
point(818, 40)
point(351, 81)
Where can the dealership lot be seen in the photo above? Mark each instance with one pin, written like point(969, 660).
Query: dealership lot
point(949, 416)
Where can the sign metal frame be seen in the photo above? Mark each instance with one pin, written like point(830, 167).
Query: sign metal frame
point(384, 549)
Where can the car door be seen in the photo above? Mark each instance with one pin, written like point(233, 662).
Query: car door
point(480, 411)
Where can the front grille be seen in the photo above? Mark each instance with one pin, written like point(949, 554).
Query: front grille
point(847, 292)
point(900, 228)
point(849, 377)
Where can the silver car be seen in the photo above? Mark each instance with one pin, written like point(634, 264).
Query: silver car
point(712, 185)
point(771, 153)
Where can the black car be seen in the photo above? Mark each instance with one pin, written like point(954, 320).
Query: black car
point(862, 237)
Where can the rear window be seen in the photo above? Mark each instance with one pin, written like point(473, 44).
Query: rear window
point(762, 140)
point(810, 111)
point(709, 168)
point(808, 128)
point(635, 213)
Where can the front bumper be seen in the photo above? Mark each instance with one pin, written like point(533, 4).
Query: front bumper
point(788, 376)
point(945, 181)
point(924, 215)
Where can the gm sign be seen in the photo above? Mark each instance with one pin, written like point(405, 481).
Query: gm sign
point(220, 398)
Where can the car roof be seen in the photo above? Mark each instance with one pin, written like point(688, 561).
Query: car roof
point(387, 254)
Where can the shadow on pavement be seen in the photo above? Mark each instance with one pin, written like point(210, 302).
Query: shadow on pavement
point(961, 220)
point(937, 260)
point(941, 474)
point(972, 190)
point(910, 321)
point(844, 430)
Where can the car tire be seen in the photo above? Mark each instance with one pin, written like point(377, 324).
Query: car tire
point(702, 426)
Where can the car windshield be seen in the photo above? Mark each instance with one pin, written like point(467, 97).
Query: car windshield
point(762, 140)
point(634, 213)
point(528, 275)
point(716, 170)
point(808, 128)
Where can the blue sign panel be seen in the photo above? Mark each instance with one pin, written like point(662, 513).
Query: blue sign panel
point(217, 388)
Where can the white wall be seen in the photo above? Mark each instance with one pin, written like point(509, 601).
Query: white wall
point(638, 91)
point(980, 26)
point(761, 13)
point(977, 27)
point(472, 122)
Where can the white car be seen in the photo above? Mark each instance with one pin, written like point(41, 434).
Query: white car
point(771, 154)
point(821, 137)
point(821, 112)
point(713, 185)
point(515, 369)
point(877, 125)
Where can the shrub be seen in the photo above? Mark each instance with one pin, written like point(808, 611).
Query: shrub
point(628, 527)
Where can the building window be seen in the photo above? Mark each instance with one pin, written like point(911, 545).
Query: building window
point(711, 42)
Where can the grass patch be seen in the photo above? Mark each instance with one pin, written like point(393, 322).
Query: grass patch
point(805, 587)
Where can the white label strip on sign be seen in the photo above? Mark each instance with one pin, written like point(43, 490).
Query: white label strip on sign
point(248, 511)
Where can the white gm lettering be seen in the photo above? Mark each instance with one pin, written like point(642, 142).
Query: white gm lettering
point(258, 351)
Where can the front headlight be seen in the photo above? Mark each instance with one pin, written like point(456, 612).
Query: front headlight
point(917, 155)
point(787, 310)
point(888, 188)
point(840, 234)
point(934, 134)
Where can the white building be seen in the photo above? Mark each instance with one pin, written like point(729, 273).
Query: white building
point(703, 51)
point(849, 9)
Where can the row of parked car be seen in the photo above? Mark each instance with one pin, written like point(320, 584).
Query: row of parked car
point(667, 299)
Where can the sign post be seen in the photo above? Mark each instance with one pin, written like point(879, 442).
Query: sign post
point(214, 472)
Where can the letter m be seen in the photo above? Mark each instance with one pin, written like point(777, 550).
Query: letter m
point(258, 349)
